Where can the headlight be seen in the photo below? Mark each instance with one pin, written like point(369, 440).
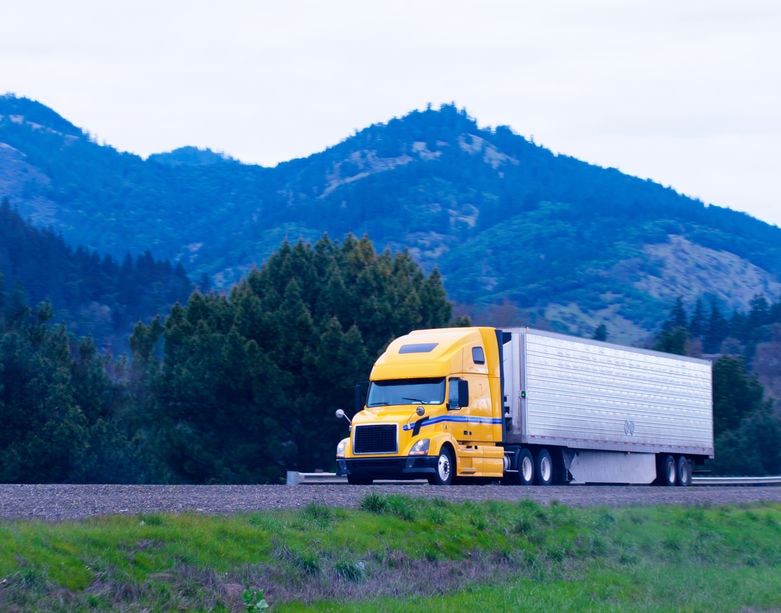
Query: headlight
point(420, 447)
point(341, 447)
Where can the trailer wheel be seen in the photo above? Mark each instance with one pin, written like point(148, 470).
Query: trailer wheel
point(684, 471)
point(525, 467)
point(666, 471)
point(544, 467)
point(445, 468)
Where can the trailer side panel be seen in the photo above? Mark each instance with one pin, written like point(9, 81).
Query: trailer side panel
point(586, 394)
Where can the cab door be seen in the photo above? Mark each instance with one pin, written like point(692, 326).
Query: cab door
point(471, 417)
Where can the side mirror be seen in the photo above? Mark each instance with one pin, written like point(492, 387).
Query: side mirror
point(340, 414)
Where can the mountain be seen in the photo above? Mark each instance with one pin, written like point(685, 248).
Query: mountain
point(190, 156)
point(521, 235)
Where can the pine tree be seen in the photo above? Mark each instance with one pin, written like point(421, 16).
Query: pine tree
point(600, 334)
point(717, 329)
point(677, 317)
point(759, 314)
point(746, 431)
point(247, 385)
point(675, 336)
point(698, 324)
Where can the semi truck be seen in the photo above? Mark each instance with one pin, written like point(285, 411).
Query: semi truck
point(528, 406)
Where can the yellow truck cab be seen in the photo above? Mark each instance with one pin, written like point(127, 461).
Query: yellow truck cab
point(434, 396)
point(530, 407)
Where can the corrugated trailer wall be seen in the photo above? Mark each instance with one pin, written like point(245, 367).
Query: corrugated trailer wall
point(587, 394)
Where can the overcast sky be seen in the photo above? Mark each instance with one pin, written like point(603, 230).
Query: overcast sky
point(687, 93)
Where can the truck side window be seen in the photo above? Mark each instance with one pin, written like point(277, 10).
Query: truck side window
point(452, 395)
point(458, 394)
point(478, 355)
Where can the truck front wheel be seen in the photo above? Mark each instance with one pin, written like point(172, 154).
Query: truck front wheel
point(445, 468)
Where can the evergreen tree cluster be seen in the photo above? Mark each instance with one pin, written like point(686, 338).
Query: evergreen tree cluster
point(64, 418)
point(747, 430)
point(96, 296)
point(231, 388)
point(245, 386)
point(710, 331)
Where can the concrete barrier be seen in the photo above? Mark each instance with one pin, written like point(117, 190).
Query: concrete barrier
point(297, 478)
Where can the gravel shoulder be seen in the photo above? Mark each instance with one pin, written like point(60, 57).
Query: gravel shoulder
point(74, 502)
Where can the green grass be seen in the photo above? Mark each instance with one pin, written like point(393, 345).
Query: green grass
point(396, 553)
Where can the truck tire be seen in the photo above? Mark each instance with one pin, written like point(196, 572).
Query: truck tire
point(683, 471)
point(543, 467)
point(445, 469)
point(666, 470)
point(525, 467)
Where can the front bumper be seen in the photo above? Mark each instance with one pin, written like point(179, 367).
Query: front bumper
point(406, 467)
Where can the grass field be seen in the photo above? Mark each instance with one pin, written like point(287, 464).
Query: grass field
point(398, 554)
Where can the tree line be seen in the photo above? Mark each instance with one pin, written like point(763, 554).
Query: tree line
point(97, 296)
point(747, 429)
point(706, 329)
point(233, 388)
point(241, 387)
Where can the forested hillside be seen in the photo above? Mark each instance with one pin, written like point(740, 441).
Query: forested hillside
point(96, 296)
point(520, 235)
point(240, 388)
point(239, 383)
point(233, 388)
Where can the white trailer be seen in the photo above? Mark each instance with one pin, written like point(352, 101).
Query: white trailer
point(603, 413)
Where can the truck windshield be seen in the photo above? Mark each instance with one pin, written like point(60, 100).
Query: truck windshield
point(406, 391)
